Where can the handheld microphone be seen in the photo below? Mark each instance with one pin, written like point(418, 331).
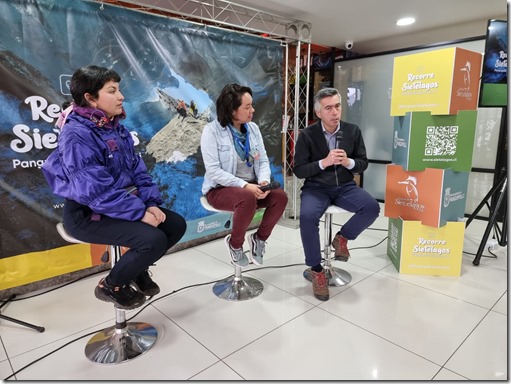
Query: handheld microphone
point(268, 187)
point(338, 140)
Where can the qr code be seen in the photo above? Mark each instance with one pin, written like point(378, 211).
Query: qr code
point(441, 140)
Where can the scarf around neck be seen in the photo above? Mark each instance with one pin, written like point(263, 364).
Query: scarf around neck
point(98, 117)
point(239, 139)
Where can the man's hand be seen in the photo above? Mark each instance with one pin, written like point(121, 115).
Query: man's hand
point(336, 157)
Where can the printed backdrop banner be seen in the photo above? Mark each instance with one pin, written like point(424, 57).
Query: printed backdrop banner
point(494, 77)
point(160, 61)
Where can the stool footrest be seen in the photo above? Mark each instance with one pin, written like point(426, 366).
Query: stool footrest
point(238, 288)
point(337, 277)
point(113, 345)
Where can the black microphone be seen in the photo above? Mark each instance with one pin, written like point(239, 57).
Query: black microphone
point(338, 140)
point(268, 187)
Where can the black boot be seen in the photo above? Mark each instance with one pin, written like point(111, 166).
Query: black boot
point(123, 296)
point(144, 284)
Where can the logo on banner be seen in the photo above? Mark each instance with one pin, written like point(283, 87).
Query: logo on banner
point(411, 187)
point(413, 195)
point(29, 139)
point(501, 63)
point(465, 91)
point(430, 247)
point(65, 84)
point(398, 142)
point(393, 237)
point(419, 83)
point(450, 197)
point(203, 226)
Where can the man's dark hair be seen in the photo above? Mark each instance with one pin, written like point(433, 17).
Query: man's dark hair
point(90, 79)
point(322, 93)
point(228, 101)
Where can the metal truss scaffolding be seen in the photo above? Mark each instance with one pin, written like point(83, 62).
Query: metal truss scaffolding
point(296, 117)
point(295, 36)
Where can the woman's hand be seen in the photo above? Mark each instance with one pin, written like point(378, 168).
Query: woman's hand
point(154, 216)
point(254, 188)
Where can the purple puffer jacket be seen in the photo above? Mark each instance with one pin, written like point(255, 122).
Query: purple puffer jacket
point(94, 167)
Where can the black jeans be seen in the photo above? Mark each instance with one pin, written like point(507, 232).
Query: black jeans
point(146, 243)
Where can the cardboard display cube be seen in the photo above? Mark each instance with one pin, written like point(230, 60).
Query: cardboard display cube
point(443, 81)
point(433, 196)
point(419, 249)
point(422, 140)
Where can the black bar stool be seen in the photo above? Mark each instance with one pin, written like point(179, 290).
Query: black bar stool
point(124, 340)
point(236, 287)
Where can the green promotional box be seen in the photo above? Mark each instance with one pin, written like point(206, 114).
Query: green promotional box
point(422, 140)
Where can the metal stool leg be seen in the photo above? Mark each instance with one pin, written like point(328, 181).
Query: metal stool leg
point(336, 276)
point(237, 287)
point(121, 342)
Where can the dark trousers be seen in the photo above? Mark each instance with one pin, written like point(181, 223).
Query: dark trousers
point(244, 205)
point(146, 243)
point(316, 198)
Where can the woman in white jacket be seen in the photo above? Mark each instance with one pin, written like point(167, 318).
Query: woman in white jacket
point(236, 168)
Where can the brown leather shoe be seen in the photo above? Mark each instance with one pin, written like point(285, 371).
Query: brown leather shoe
point(340, 245)
point(320, 285)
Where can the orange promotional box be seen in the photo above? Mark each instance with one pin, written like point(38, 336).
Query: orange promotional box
point(443, 81)
point(433, 196)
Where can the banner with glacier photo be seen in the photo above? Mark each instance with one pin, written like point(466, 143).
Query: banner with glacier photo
point(161, 61)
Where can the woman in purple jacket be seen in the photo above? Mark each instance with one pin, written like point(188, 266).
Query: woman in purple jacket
point(110, 197)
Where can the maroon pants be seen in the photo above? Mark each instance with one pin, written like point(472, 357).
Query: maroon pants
point(244, 205)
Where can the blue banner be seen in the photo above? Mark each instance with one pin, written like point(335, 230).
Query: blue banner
point(160, 61)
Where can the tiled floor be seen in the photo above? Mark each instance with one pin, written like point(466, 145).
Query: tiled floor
point(382, 326)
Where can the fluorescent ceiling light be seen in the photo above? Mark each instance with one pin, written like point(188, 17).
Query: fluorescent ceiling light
point(405, 21)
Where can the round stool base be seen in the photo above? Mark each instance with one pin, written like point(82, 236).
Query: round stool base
point(238, 289)
point(114, 346)
point(336, 277)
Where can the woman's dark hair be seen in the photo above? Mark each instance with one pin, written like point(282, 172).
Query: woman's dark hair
point(228, 101)
point(90, 79)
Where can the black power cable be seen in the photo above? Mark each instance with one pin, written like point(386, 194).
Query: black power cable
point(146, 305)
point(178, 290)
